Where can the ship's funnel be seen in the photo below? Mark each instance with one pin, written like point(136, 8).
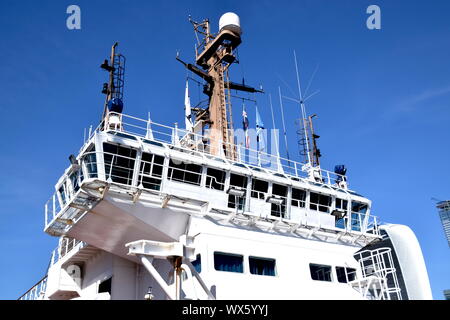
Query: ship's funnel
point(230, 21)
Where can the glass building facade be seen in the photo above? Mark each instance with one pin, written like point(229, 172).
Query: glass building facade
point(444, 213)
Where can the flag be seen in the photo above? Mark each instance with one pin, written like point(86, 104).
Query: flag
point(187, 110)
point(259, 126)
point(245, 125)
point(260, 143)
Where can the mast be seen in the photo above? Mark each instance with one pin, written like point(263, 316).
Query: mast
point(114, 88)
point(214, 56)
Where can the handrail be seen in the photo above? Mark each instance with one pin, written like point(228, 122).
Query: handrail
point(163, 133)
point(35, 292)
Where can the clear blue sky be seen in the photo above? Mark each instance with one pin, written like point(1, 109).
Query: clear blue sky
point(383, 106)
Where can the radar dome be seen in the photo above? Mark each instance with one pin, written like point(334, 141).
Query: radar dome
point(230, 21)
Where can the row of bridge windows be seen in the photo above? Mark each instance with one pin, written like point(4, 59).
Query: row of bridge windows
point(119, 163)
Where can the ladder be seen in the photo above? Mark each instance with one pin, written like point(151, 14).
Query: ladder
point(223, 113)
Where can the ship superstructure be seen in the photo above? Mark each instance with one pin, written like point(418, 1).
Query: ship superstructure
point(149, 211)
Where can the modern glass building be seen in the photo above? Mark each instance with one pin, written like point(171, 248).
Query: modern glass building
point(444, 214)
point(447, 294)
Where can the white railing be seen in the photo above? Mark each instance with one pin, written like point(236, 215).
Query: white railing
point(194, 142)
point(36, 292)
point(378, 265)
point(65, 246)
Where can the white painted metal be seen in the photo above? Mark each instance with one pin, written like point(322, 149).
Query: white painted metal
point(229, 19)
point(410, 258)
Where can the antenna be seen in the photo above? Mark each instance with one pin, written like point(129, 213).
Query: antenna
point(303, 109)
point(284, 125)
point(306, 136)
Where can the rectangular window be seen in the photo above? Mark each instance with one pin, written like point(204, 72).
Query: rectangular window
point(184, 172)
point(262, 266)
point(228, 262)
point(105, 286)
point(342, 206)
point(197, 263)
point(345, 275)
point(239, 182)
point(320, 272)
point(151, 171)
point(75, 180)
point(119, 163)
point(319, 202)
point(298, 198)
point(259, 188)
point(215, 179)
point(62, 193)
point(359, 207)
point(90, 161)
point(279, 191)
point(358, 211)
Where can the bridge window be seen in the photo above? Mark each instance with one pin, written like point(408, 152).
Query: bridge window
point(75, 179)
point(298, 198)
point(259, 188)
point(320, 272)
point(90, 161)
point(359, 207)
point(184, 172)
point(62, 193)
point(341, 220)
point(319, 202)
point(262, 266)
point(279, 191)
point(345, 275)
point(151, 171)
point(119, 163)
point(215, 179)
point(358, 211)
point(228, 262)
point(239, 182)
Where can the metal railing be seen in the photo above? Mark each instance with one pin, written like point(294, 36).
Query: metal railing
point(37, 291)
point(65, 246)
point(378, 264)
point(192, 142)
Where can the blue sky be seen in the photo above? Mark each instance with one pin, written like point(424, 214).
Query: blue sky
point(383, 106)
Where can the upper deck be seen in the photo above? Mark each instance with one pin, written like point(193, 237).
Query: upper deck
point(154, 160)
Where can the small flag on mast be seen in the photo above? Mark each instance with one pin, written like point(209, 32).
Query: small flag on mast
point(259, 125)
point(245, 125)
point(187, 110)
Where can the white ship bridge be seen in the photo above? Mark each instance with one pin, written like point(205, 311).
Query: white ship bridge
point(139, 164)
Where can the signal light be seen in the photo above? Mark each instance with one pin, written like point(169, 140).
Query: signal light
point(105, 88)
point(106, 66)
